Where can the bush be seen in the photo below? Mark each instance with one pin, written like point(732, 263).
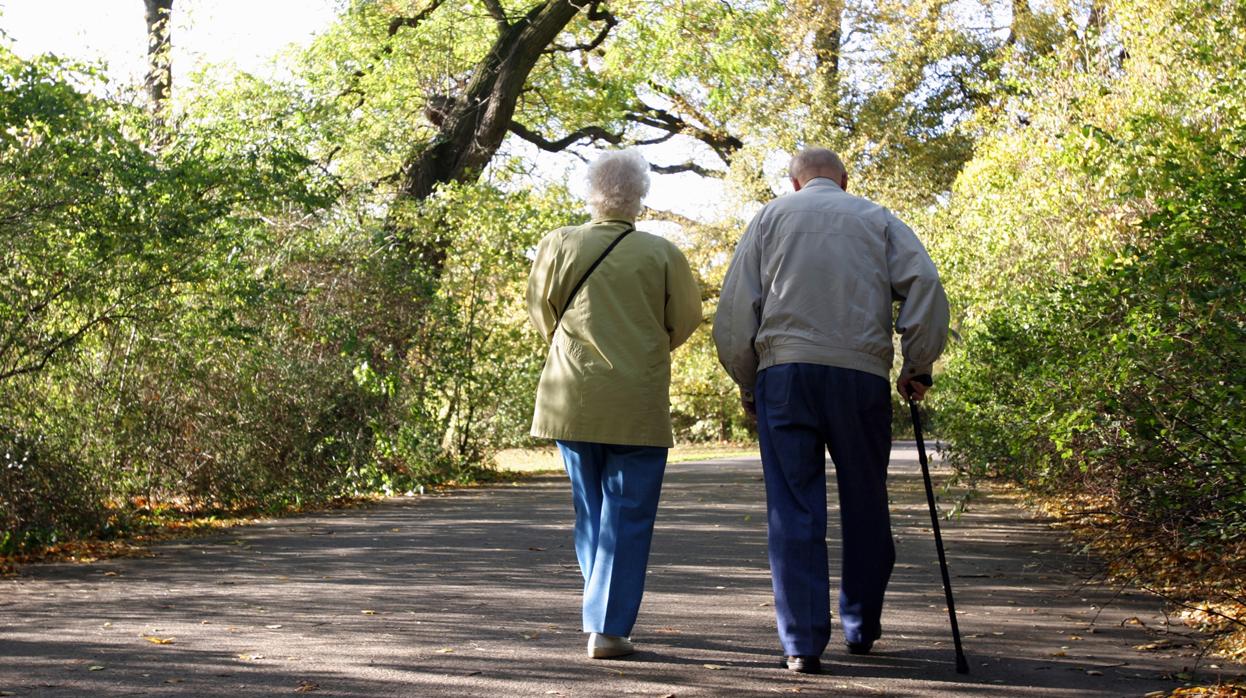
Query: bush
point(1128, 382)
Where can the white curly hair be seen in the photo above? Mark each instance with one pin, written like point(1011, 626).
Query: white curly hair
point(617, 182)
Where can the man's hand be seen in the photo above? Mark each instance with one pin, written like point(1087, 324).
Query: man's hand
point(914, 387)
point(748, 403)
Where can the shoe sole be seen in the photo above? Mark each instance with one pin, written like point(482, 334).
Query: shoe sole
point(801, 668)
point(609, 652)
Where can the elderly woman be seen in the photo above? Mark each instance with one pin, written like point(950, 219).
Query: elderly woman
point(613, 303)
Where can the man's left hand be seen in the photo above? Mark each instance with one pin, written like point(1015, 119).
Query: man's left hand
point(913, 387)
point(749, 404)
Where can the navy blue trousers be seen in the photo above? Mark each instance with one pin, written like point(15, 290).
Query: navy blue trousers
point(615, 490)
point(802, 411)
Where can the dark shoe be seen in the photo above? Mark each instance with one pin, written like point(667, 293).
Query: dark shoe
point(860, 647)
point(803, 665)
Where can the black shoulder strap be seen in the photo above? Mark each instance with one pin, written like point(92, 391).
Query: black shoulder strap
point(576, 289)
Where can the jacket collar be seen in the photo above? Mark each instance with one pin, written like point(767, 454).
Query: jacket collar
point(822, 183)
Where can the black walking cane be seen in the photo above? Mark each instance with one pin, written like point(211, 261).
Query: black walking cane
point(962, 666)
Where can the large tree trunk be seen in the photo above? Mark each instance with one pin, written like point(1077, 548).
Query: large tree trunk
point(471, 128)
point(475, 123)
point(827, 38)
point(1020, 18)
point(159, 81)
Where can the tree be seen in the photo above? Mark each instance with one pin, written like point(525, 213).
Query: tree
point(159, 80)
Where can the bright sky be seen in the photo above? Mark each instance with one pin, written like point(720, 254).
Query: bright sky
point(249, 35)
point(244, 33)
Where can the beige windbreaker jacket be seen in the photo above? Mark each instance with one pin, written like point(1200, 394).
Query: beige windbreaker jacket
point(608, 374)
point(813, 281)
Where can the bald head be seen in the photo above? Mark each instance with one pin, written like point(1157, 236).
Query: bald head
point(817, 162)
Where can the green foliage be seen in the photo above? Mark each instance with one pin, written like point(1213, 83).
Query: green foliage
point(134, 357)
point(467, 389)
point(232, 309)
point(1126, 382)
point(1097, 258)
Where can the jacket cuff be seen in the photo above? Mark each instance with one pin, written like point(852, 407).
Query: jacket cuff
point(909, 371)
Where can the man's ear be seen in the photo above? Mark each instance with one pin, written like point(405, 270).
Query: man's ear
point(795, 184)
point(843, 182)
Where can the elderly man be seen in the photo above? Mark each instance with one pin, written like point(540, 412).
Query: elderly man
point(604, 392)
point(804, 327)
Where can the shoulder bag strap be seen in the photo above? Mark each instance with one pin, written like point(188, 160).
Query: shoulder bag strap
point(576, 289)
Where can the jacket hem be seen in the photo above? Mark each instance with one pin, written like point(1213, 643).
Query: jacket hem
point(602, 437)
point(826, 356)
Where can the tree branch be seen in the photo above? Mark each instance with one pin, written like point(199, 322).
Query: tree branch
point(399, 22)
point(596, 13)
point(654, 141)
point(498, 14)
point(688, 167)
point(592, 133)
point(661, 214)
point(723, 144)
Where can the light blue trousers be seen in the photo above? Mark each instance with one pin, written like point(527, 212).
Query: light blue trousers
point(615, 490)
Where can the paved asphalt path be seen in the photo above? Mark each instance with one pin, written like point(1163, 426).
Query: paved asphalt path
point(476, 593)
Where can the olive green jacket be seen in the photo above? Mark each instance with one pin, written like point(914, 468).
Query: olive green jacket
point(608, 374)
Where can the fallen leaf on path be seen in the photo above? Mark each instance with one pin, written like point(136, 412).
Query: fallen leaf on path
point(530, 636)
point(158, 640)
point(110, 574)
point(95, 667)
point(273, 627)
point(1094, 672)
point(1059, 653)
point(535, 549)
point(250, 657)
point(174, 680)
point(368, 612)
point(445, 650)
point(713, 666)
point(306, 687)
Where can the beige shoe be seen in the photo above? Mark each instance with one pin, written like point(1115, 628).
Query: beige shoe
point(604, 646)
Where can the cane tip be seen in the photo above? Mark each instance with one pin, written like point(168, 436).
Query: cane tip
point(962, 666)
